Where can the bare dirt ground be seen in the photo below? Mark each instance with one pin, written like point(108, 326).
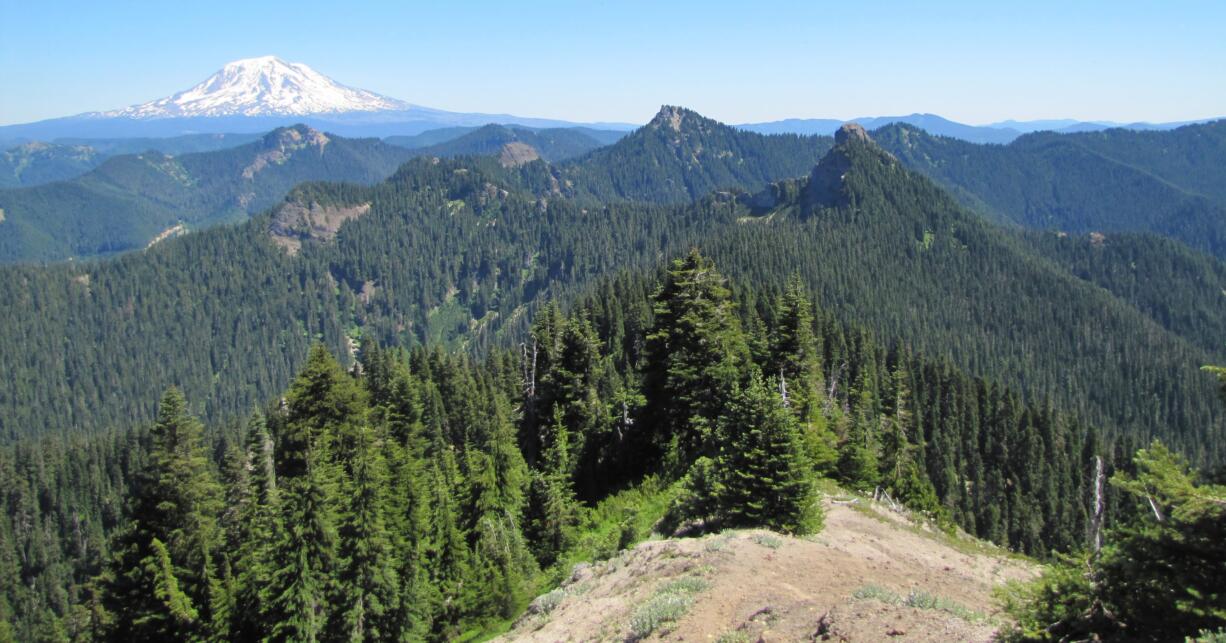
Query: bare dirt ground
point(851, 582)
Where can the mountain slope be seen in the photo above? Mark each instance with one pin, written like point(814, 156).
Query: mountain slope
point(1055, 182)
point(1190, 157)
point(128, 200)
point(1180, 289)
point(681, 155)
point(888, 248)
point(461, 251)
point(38, 163)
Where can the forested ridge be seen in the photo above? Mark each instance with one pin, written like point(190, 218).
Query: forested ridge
point(462, 251)
point(421, 494)
point(454, 384)
point(1166, 183)
point(122, 204)
point(553, 144)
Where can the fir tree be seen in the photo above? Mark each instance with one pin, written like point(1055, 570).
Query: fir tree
point(859, 462)
point(553, 511)
point(764, 477)
point(795, 361)
point(161, 560)
point(695, 353)
point(367, 586)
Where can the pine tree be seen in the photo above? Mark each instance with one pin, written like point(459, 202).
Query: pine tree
point(764, 477)
point(553, 511)
point(367, 589)
point(161, 560)
point(859, 462)
point(695, 353)
point(796, 362)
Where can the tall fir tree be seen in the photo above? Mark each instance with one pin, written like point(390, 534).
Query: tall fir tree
point(764, 478)
point(795, 360)
point(695, 353)
point(367, 589)
point(157, 583)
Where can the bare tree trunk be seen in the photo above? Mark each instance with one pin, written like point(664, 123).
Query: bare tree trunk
point(1096, 524)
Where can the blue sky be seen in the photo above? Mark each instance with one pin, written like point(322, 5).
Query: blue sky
point(620, 60)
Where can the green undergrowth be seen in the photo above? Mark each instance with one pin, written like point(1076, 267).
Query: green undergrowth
point(617, 522)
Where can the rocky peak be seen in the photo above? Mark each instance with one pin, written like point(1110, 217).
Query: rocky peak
point(671, 117)
point(850, 132)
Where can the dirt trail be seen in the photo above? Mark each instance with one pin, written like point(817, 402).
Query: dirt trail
point(848, 583)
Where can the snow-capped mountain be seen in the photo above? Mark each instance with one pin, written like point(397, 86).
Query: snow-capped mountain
point(265, 86)
point(261, 94)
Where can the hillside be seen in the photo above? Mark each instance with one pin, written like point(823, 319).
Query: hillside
point(1189, 156)
point(461, 252)
point(680, 156)
point(868, 575)
point(129, 200)
point(1114, 181)
point(556, 144)
point(38, 163)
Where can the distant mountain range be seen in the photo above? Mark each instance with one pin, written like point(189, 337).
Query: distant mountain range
point(260, 94)
point(1001, 132)
point(255, 95)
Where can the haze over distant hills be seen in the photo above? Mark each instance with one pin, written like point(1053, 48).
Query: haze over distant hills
point(1000, 132)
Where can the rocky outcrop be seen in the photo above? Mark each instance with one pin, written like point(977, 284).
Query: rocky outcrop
point(517, 153)
point(295, 223)
point(282, 143)
point(850, 132)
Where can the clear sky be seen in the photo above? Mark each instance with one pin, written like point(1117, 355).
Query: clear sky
point(619, 60)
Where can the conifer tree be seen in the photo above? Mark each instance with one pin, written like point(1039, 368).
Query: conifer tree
point(366, 597)
point(764, 477)
point(796, 362)
point(859, 462)
point(694, 354)
point(447, 552)
point(259, 515)
point(553, 511)
point(161, 560)
point(323, 403)
point(296, 600)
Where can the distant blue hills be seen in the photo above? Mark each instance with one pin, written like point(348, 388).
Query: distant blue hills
point(1000, 132)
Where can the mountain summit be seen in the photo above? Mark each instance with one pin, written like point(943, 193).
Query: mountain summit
point(266, 86)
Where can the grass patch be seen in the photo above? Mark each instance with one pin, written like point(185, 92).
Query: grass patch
point(659, 611)
point(919, 599)
point(547, 602)
point(685, 585)
point(769, 541)
point(669, 603)
point(716, 544)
